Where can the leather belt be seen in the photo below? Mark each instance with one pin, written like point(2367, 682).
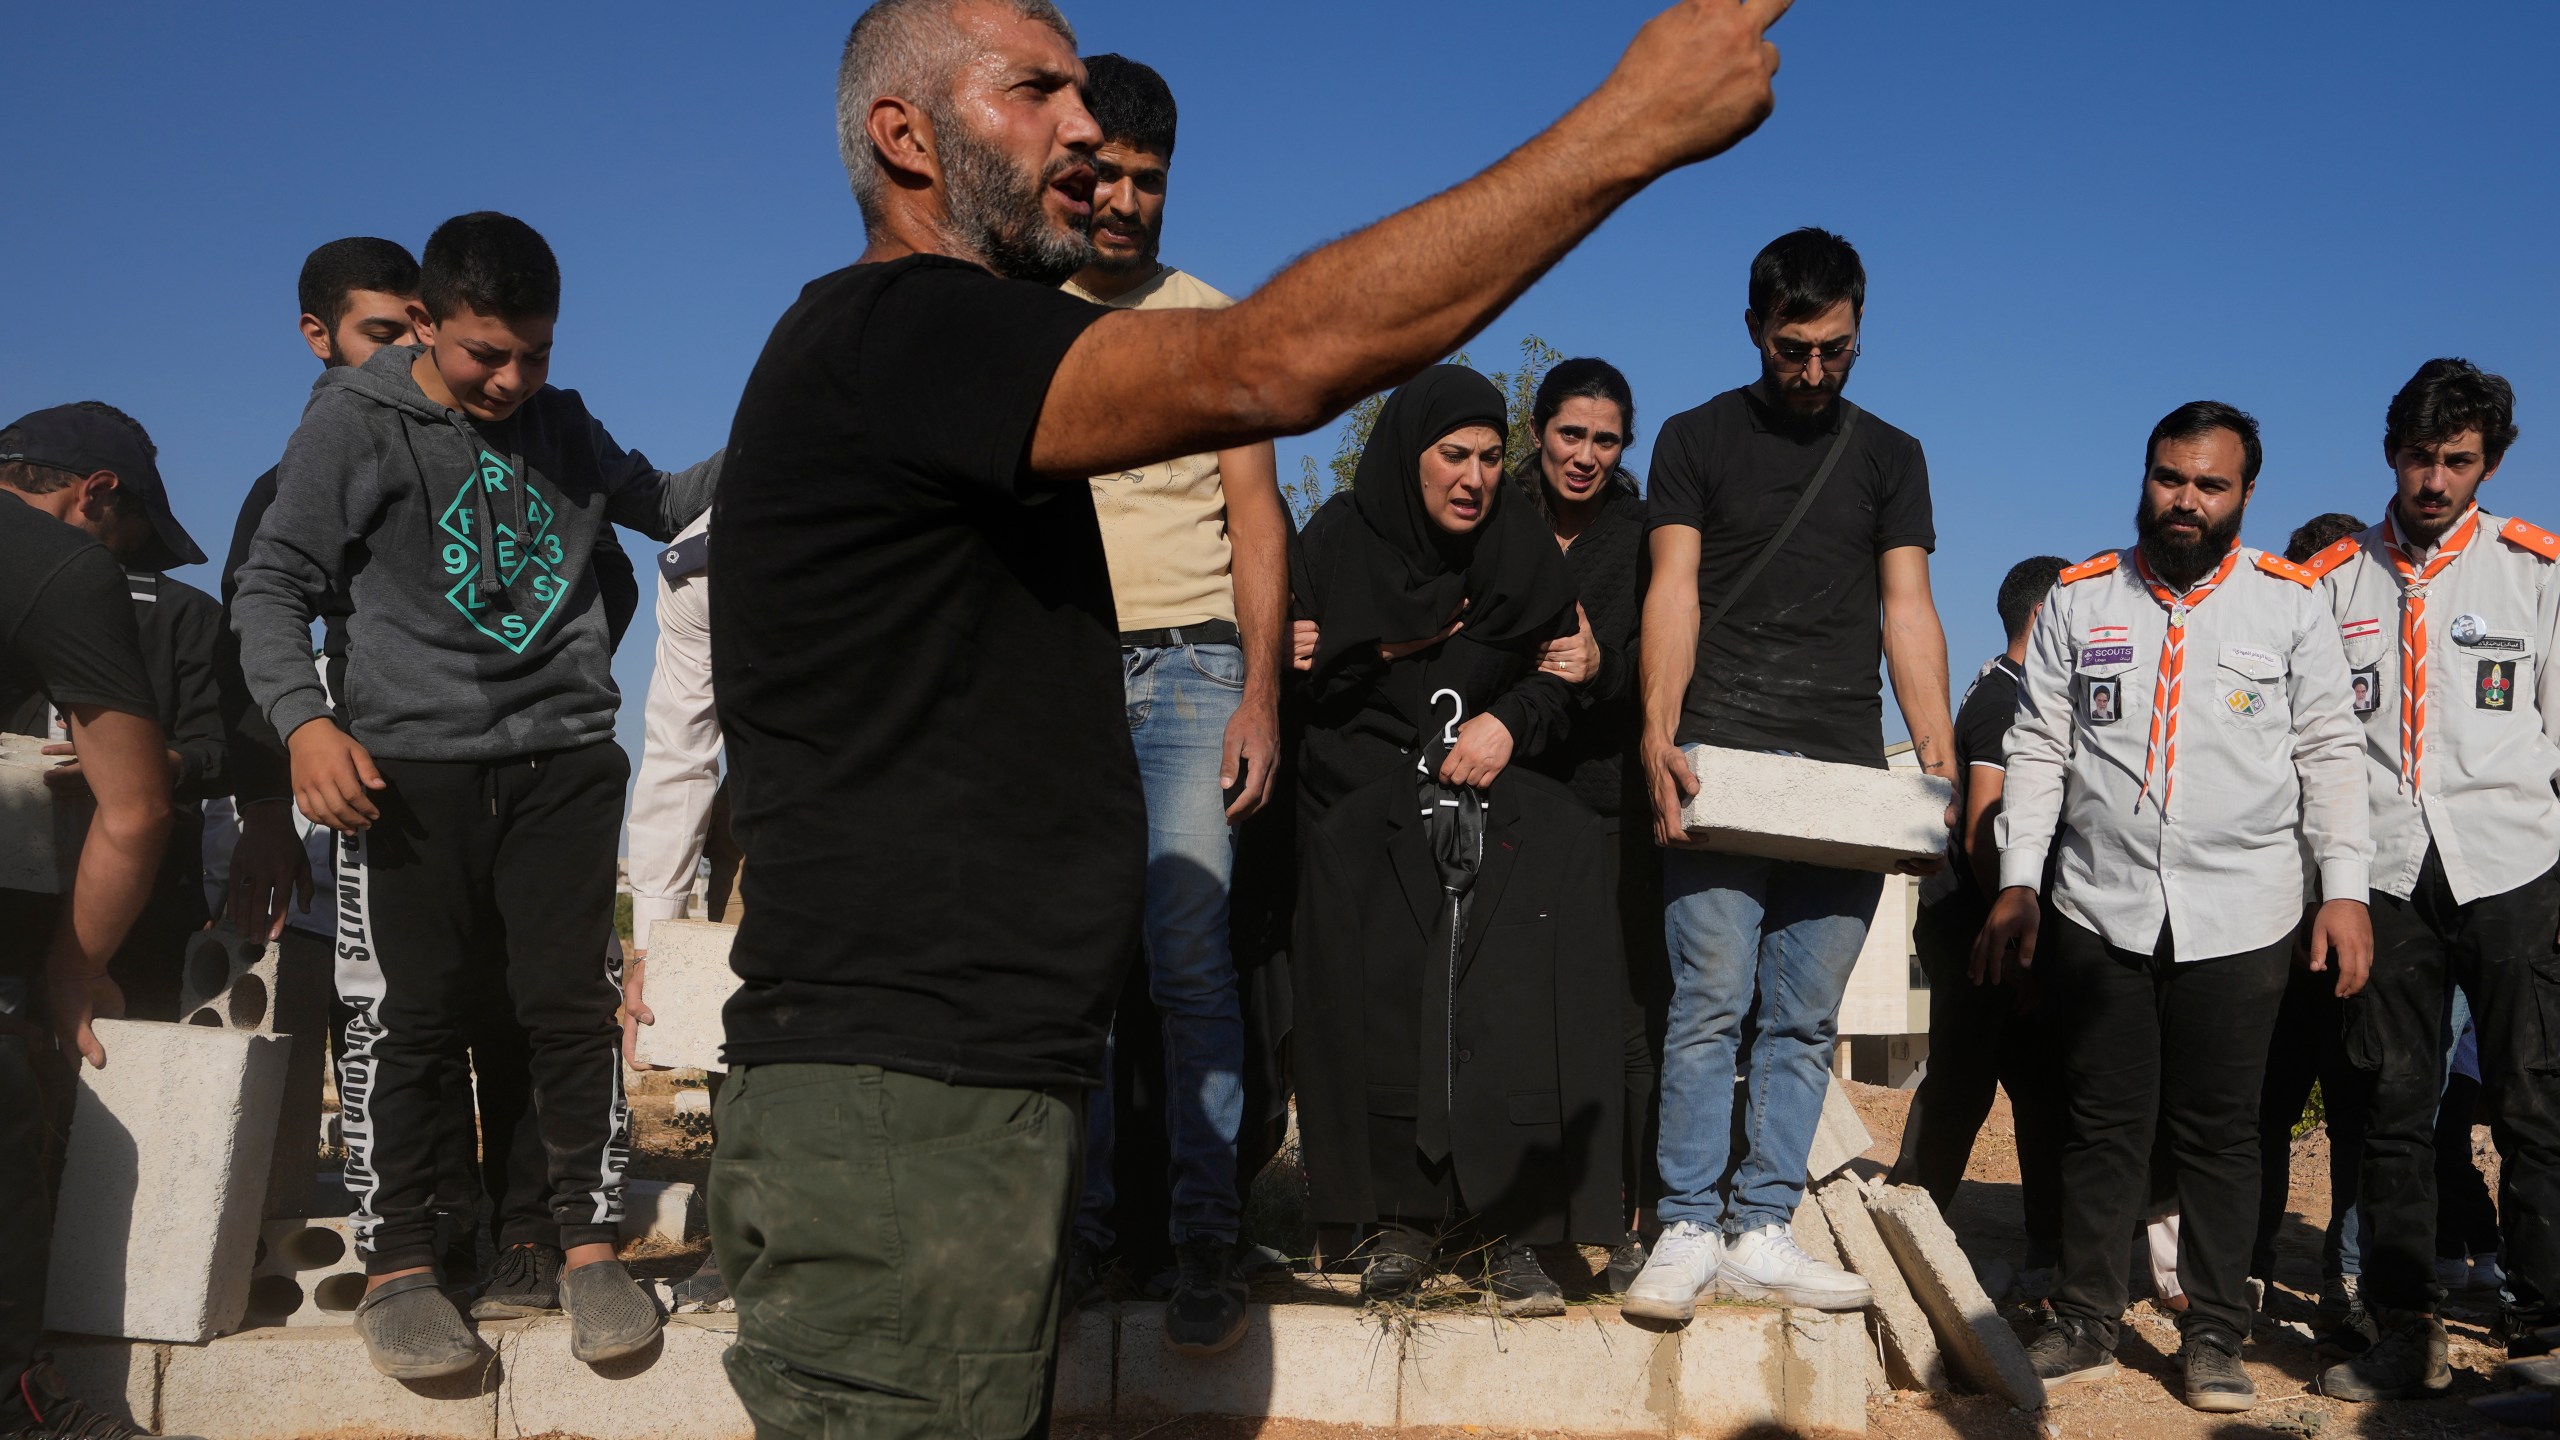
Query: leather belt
point(1213, 632)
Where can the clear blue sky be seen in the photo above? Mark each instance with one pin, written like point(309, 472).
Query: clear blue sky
point(2073, 216)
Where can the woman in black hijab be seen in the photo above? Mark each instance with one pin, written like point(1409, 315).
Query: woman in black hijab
point(1457, 1048)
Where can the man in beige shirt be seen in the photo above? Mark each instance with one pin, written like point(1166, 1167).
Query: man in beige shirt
point(1198, 549)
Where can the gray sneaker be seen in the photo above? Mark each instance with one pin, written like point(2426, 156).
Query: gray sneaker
point(2408, 1359)
point(2063, 1354)
point(2216, 1384)
point(412, 1332)
point(610, 1316)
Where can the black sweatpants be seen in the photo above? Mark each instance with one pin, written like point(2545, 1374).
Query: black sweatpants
point(2309, 1046)
point(513, 858)
point(1983, 1038)
point(2500, 949)
point(2148, 1042)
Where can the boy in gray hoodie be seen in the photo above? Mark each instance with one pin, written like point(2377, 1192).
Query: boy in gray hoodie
point(468, 768)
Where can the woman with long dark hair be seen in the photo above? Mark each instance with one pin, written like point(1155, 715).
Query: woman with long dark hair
point(1459, 1072)
point(1582, 419)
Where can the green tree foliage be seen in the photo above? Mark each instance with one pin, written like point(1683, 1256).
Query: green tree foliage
point(1317, 483)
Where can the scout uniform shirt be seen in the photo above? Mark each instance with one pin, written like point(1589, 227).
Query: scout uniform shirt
point(2200, 820)
point(2488, 731)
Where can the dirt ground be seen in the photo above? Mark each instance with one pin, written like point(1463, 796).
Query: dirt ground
point(2139, 1403)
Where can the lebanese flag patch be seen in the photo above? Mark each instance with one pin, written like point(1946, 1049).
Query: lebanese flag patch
point(2359, 629)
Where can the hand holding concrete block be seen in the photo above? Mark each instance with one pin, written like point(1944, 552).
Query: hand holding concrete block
point(1785, 807)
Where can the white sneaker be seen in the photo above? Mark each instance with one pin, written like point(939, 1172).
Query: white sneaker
point(1764, 1264)
point(1681, 1268)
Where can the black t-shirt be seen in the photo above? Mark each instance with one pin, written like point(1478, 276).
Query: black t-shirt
point(918, 673)
point(1982, 738)
point(1794, 667)
point(66, 621)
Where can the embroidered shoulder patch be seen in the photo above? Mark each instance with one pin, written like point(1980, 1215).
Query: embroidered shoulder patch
point(2098, 564)
point(2531, 537)
point(2282, 568)
point(2333, 557)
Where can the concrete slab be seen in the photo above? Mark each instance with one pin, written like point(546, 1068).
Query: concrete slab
point(283, 1384)
point(307, 1273)
point(1831, 1368)
point(1789, 808)
point(1732, 1374)
point(1086, 1359)
point(39, 838)
point(117, 1376)
point(661, 1209)
point(676, 1390)
point(1813, 1231)
point(163, 1182)
point(1911, 1357)
point(1589, 1372)
point(1295, 1362)
point(1979, 1344)
point(1839, 1138)
point(688, 981)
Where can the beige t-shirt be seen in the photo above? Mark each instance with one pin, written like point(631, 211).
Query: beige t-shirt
point(1164, 527)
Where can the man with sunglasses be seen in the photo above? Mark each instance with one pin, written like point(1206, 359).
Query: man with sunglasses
point(1788, 665)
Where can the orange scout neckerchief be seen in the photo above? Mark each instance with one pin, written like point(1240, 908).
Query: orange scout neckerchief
point(2413, 631)
point(2163, 746)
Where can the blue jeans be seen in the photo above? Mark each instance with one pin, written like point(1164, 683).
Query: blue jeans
point(1741, 928)
point(1180, 699)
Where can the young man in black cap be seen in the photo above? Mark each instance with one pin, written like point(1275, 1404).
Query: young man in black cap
point(181, 629)
point(468, 765)
point(67, 629)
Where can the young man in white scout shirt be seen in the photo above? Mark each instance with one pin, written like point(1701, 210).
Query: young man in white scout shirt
point(2449, 614)
point(2186, 809)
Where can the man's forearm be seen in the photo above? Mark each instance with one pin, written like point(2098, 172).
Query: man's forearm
point(1915, 657)
point(1669, 646)
point(1258, 541)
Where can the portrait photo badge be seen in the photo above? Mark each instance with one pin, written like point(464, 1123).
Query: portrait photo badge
point(2098, 701)
point(2365, 686)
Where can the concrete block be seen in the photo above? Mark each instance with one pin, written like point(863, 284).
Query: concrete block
point(1295, 1362)
point(1976, 1340)
point(285, 1384)
point(675, 1390)
point(688, 980)
point(163, 1182)
point(692, 1102)
point(1790, 808)
point(1831, 1368)
point(1589, 1372)
point(1838, 1138)
point(1732, 1372)
point(1086, 1362)
point(1911, 1357)
point(280, 987)
point(659, 1209)
point(1813, 1232)
point(39, 836)
point(307, 1273)
point(119, 1377)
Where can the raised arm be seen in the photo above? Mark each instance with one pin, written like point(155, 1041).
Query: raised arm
point(1140, 386)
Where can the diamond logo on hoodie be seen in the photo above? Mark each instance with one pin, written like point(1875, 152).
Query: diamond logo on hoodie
point(487, 542)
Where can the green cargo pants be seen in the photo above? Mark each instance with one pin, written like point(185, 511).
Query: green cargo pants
point(897, 1247)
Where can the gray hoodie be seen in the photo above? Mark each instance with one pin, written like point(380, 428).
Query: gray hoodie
point(476, 632)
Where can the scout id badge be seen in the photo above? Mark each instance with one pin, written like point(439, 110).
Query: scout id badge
point(2497, 687)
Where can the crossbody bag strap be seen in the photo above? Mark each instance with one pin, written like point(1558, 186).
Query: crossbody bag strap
point(1830, 461)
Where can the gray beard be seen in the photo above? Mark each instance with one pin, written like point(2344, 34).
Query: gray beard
point(997, 214)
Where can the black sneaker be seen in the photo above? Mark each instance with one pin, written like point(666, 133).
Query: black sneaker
point(524, 1281)
point(1399, 1261)
point(1626, 1262)
point(54, 1413)
point(1205, 1313)
point(610, 1316)
point(2355, 1330)
point(1520, 1286)
point(2215, 1383)
point(2408, 1359)
point(412, 1332)
point(2063, 1355)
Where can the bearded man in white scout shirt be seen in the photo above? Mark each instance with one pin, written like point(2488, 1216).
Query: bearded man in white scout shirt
point(2453, 612)
point(2186, 810)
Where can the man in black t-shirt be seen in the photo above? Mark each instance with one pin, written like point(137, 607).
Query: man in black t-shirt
point(917, 663)
point(1787, 666)
point(66, 628)
point(1983, 1036)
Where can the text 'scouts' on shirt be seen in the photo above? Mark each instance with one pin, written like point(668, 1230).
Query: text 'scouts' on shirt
point(917, 669)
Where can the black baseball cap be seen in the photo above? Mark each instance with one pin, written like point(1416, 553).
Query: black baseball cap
point(84, 442)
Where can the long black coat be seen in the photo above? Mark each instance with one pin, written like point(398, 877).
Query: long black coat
point(1542, 1013)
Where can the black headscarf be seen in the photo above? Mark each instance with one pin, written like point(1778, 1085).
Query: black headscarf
point(1386, 573)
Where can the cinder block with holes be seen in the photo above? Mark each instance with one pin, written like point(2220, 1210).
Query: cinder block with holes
point(307, 1273)
point(40, 834)
point(688, 981)
point(270, 988)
